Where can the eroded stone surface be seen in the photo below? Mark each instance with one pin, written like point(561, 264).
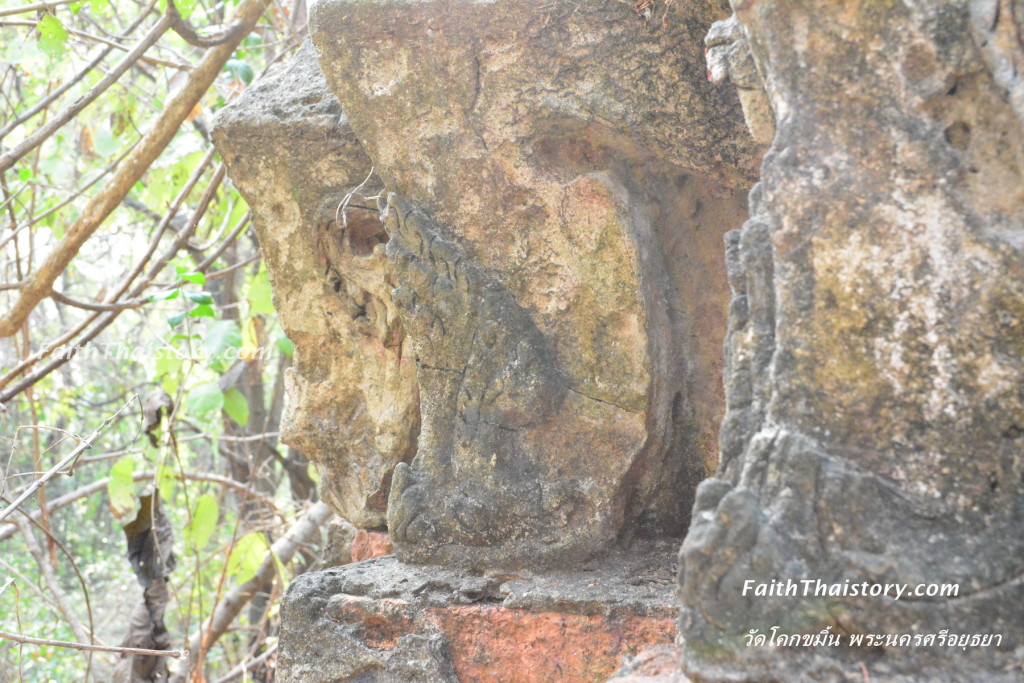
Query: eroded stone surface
point(875, 355)
point(658, 664)
point(352, 401)
point(337, 549)
point(369, 544)
point(730, 61)
point(373, 621)
point(562, 174)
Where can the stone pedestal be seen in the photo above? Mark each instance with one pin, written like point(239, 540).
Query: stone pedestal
point(381, 620)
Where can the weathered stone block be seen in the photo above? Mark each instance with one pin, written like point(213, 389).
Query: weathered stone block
point(562, 176)
point(381, 620)
point(337, 548)
point(369, 544)
point(875, 356)
point(352, 401)
point(658, 664)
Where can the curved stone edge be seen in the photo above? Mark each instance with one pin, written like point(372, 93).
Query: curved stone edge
point(351, 398)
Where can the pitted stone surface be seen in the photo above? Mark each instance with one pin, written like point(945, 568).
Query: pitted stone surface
point(875, 354)
point(637, 582)
point(352, 401)
point(561, 175)
point(376, 620)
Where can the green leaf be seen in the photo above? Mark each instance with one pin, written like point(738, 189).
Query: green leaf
point(241, 70)
point(25, 174)
point(221, 335)
point(202, 311)
point(174, 167)
point(250, 338)
point(121, 487)
point(199, 297)
point(282, 571)
point(165, 480)
point(204, 520)
point(259, 294)
point(167, 363)
point(121, 121)
point(168, 367)
point(314, 474)
point(52, 36)
point(236, 406)
point(286, 345)
point(247, 556)
point(238, 211)
point(170, 384)
point(165, 296)
point(205, 400)
point(175, 320)
point(99, 6)
point(185, 7)
point(198, 278)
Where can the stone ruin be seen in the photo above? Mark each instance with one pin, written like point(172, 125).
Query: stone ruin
point(511, 240)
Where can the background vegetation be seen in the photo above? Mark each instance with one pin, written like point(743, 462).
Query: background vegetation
point(134, 302)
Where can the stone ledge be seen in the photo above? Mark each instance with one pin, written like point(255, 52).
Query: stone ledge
point(381, 620)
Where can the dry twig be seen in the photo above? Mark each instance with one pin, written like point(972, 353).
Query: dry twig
point(39, 284)
point(71, 111)
point(177, 654)
point(235, 599)
point(63, 465)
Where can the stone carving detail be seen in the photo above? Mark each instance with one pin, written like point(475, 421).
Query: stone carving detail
point(352, 399)
point(550, 294)
point(493, 388)
point(563, 176)
point(730, 60)
point(874, 355)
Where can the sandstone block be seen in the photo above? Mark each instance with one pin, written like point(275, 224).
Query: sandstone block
point(381, 620)
point(875, 356)
point(562, 175)
point(352, 401)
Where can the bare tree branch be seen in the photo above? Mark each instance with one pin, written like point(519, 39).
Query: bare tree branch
point(91, 306)
point(40, 136)
point(34, 7)
point(100, 56)
point(284, 550)
point(50, 579)
point(107, 318)
point(177, 654)
point(101, 485)
point(185, 30)
point(245, 666)
point(66, 462)
point(38, 284)
point(208, 261)
point(156, 61)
